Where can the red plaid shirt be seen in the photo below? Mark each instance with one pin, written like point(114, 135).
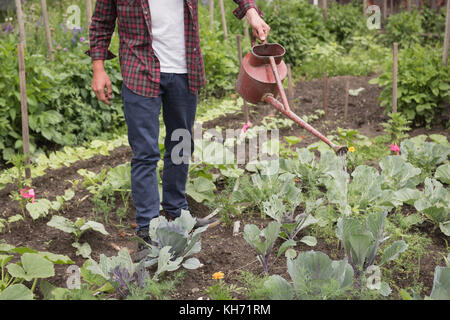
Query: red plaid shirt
point(138, 62)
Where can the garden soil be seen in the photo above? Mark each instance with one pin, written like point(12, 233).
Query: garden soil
point(221, 250)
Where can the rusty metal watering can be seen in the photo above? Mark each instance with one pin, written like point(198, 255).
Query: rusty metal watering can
point(260, 79)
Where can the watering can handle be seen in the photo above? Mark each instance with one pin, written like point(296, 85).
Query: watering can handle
point(253, 40)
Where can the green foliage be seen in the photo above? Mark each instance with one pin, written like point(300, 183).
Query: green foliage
point(219, 291)
point(423, 84)
point(363, 58)
point(397, 126)
point(423, 154)
point(363, 194)
point(262, 241)
point(296, 25)
point(344, 21)
point(260, 188)
point(405, 28)
point(435, 204)
point(219, 56)
point(292, 224)
point(441, 282)
point(131, 280)
point(443, 173)
point(398, 174)
point(309, 171)
point(362, 238)
point(30, 266)
point(42, 207)
point(174, 242)
point(433, 23)
point(62, 108)
point(77, 229)
point(314, 276)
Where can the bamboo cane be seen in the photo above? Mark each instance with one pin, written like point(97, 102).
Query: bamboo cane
point(24, 110)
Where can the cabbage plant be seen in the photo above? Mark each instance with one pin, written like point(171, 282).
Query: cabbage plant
point(314, 276)
point(441, 282)
point(364, 193)
point(425, 155)
point(263, 241)
point(292, 224)
point(435, 204)
point(175, 241)
point(362, 238)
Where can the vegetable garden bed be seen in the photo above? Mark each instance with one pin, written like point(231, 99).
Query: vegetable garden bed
point(411, 273)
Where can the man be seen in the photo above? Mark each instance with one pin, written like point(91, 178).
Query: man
point(162, 64)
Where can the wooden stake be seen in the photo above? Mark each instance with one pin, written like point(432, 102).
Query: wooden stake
point(88, 12)
point(239, 47)
point(211, 14)
point(24, 110)
point(290, 86)
point(347, 89)
point(365, 7)
point(236, 226)
point(447, 36)
point(224, 20)
point(384, 10)
point(47, 29)
point(394, 78)
point(325, 8)
point(23, 38)
point(325, 93)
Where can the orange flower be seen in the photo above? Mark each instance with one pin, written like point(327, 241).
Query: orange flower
point(218, 275)
point(351, 149)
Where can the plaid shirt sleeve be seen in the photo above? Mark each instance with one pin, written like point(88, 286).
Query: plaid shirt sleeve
point(244, 5)
point(101, 30)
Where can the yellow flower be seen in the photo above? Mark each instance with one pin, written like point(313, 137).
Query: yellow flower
point(351, 149)
point(218, 275)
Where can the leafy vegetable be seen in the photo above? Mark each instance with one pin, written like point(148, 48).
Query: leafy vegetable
point(77, 229)
point(291, 224)
point(262, 241)
point(314, 276)
point(362, 238)
point(435, 204)
point(176, 241)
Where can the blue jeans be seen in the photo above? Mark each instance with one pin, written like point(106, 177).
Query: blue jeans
point(142, 117)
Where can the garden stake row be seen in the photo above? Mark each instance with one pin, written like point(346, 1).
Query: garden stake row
point(260, 79)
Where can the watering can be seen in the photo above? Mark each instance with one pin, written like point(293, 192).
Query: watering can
point(260, 79)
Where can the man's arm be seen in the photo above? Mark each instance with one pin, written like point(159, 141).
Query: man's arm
point(100, 34)
point(249, 9)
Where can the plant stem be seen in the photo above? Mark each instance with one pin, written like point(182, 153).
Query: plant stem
point(34, 285)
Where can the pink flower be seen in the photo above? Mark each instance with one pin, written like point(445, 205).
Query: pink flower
point(395, 148)
point(28, 193)
point(246, 126)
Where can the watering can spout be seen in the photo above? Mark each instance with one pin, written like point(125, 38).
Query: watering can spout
point(260, 79)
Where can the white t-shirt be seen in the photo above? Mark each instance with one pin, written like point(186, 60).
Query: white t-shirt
point(168, 34)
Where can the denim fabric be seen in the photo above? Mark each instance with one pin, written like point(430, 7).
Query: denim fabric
point(179, 106)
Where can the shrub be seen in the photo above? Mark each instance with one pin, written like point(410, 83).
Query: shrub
point(423, 84)
point(296, 25)
point(344, 21)
point(62, 108)
point(405, 28)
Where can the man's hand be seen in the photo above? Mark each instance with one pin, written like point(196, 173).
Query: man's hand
point(260, 28)
point(100, 82)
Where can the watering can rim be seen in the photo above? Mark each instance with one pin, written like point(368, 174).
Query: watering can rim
point(266, 45)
